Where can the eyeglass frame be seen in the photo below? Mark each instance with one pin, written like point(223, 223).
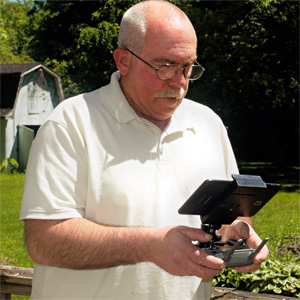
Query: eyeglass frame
point(156, 69)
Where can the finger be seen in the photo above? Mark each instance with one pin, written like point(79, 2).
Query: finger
point(247, 269)
point(200, 257)
point(254, 241)
point(238, 229)
point(194, 269)
point(195, 234)
point(261, 256)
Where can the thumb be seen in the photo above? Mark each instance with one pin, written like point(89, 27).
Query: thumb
point(243, 229)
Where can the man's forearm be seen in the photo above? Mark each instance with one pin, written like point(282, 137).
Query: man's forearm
point(82, 244)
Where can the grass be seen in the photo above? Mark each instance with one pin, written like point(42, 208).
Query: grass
point(12, 247)
point(278, 219)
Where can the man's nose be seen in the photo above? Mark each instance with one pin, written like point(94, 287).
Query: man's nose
point(179, 79)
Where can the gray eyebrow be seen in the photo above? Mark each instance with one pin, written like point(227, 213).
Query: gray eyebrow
point(173, 62)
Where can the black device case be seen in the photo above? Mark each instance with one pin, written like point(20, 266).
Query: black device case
point(222, 201)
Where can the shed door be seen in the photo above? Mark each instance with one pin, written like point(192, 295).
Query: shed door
point(25, 139)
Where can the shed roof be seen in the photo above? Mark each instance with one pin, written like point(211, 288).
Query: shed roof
point(17, 68)
point(11, 76)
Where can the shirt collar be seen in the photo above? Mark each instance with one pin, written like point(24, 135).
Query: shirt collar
point(184, 118)
point(115, 101)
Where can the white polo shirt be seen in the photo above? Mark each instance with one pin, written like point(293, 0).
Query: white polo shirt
point(95, 158)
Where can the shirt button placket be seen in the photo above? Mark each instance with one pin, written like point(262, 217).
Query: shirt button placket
point(163, 150)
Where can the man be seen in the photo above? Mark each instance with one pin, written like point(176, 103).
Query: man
point(109, 170)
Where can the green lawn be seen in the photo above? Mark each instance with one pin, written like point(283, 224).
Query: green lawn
point(12, 248)
point(280, 221)
point(280, 218)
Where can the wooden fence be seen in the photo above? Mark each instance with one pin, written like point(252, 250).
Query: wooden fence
point(15, 280)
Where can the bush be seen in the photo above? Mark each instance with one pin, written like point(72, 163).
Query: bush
point(9, 165)
point(273, 277)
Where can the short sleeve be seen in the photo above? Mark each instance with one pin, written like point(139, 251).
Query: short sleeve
point(56, 176)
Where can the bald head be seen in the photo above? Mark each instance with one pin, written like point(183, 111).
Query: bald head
point(151, 18)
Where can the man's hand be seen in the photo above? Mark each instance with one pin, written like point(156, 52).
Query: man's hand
point(241, 228)
point(175, 253)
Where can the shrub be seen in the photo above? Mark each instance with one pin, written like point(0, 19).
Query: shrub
point(273, 277)
point(9, 165)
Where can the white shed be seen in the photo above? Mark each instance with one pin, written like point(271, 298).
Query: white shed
point(29, 93)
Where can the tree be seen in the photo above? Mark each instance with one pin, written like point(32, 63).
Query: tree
point(14, 37)
point(250, 51)
point(77, 39)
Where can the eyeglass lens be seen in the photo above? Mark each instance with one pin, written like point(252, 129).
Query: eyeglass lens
point(192, 72)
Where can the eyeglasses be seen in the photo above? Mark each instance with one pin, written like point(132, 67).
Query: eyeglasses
point(168, 71)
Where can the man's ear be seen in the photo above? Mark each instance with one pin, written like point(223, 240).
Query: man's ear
point(122, 59)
